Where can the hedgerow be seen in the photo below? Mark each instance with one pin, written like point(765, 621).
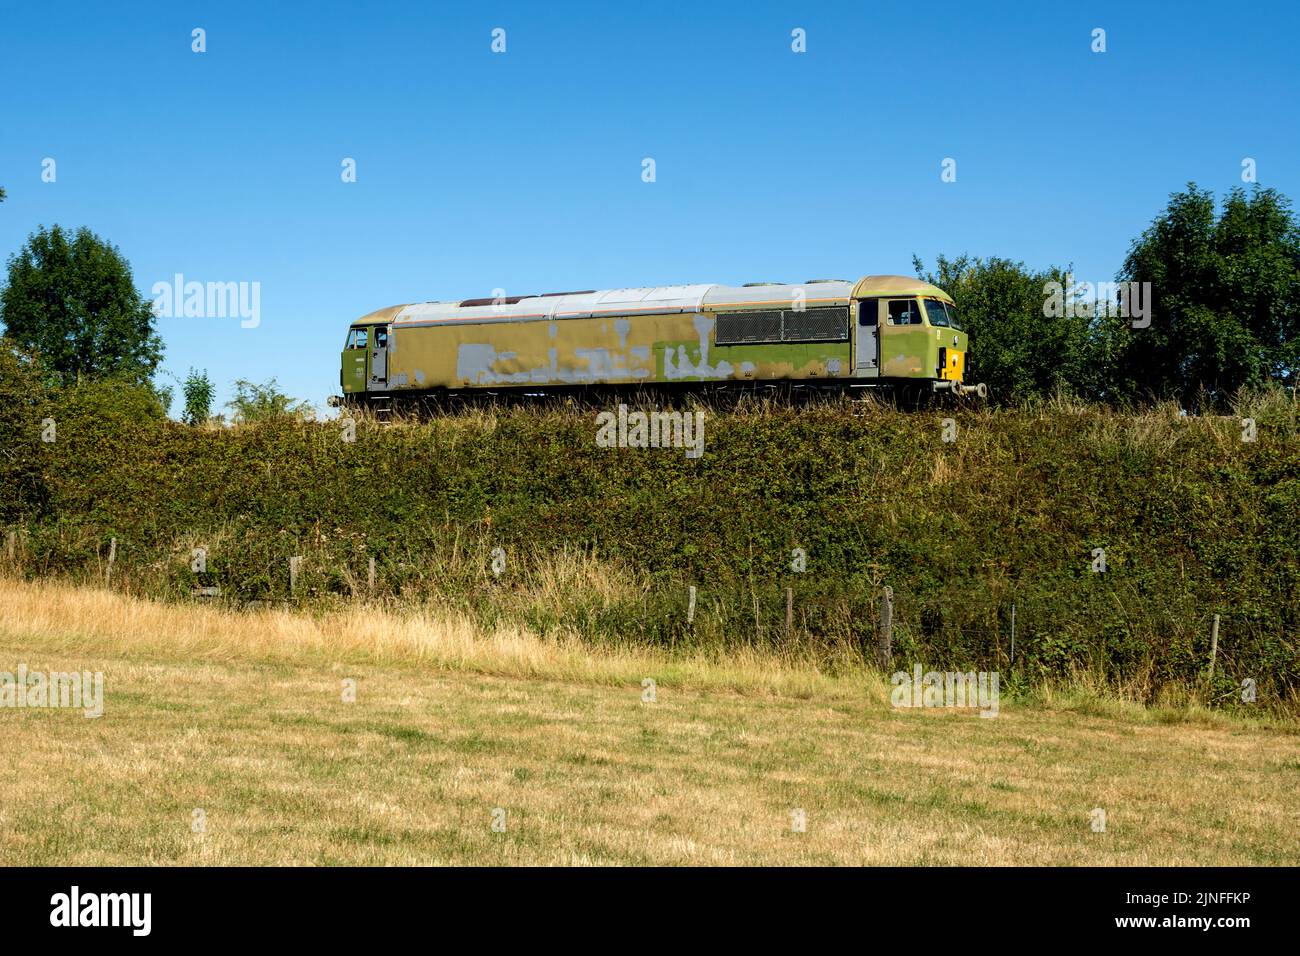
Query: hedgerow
point(1192, 519)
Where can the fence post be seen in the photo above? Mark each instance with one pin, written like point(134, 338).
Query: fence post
point(11, 545)
point(1214, 644)
point(690, 607)
point(789, 611)
point(112, 556)
point(1013, 632)
point(885, 650)
point(372, 575)
point(294, 564)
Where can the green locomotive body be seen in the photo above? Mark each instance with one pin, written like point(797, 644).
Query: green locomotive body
point(890, 331)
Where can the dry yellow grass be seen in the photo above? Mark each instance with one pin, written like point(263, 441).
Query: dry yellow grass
point(66, 619)
point(242, 716)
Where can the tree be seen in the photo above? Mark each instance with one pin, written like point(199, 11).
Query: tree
point(164, 394)
point(198, 391)
point(1225, 291)
point(71, 299)
point(24, 404)
point(1016, 347)
point(255, 403)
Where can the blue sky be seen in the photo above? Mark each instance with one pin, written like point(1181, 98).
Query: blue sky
point(522, 170)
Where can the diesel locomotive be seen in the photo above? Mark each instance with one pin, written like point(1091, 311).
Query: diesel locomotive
point(883, 332)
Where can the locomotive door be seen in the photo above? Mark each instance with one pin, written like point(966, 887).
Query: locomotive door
point(379, 355)
point(866, 344)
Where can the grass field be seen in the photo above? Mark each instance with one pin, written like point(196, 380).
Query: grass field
point(242, 716)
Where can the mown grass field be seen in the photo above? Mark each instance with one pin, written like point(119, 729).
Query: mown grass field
point(243, 717)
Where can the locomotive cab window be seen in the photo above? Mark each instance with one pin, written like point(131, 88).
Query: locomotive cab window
point(936, 313)
point(867, 312)
point(942, 314)
point(357, 339)
point(905, 312)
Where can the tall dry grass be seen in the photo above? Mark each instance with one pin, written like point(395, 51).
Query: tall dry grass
point(71, 619)
point(62, 618)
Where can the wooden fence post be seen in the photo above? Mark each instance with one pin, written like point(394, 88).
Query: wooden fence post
point(690, 607)
point(885, 650)
point(295, 563)
point(1013, 632)
point(112, 556)
point(1214, 644)
point(372, 575)
point(789, 611)
point(11, 545)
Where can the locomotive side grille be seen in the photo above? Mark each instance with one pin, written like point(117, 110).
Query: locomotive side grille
point(748, 328)
point(816, 325)
point(772, 326)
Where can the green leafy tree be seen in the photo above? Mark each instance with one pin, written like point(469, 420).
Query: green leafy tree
point(255, 403)
point(199, 392)
point(1015, 346)
point(1226, 296)
point(24, 403)
point(70, 297)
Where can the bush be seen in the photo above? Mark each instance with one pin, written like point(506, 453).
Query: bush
point(605, 542)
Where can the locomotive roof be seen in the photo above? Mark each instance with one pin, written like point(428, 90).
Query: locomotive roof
point(655, 299)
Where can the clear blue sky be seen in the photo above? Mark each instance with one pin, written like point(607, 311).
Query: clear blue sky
point(522, 170)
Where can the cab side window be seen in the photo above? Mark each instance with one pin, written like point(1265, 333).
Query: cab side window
point(904, 312)
point(357, 339)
